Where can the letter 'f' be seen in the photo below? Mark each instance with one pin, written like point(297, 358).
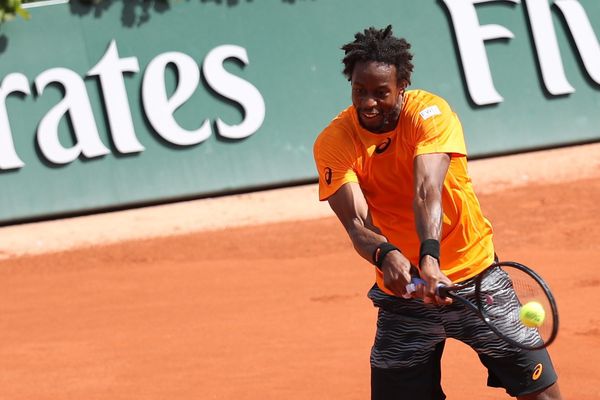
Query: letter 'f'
point(471, 37)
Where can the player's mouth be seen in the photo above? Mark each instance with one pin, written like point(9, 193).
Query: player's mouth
point(371, 120)
point(369, 115)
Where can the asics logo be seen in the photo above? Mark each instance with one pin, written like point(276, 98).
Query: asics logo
point(537, 372)
point(381, 147)
point(328, 175)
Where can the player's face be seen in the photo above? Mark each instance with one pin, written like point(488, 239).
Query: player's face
point(377, 95)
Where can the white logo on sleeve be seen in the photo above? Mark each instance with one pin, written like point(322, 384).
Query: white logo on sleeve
point(429, 112)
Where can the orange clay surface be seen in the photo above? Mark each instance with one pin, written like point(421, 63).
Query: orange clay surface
point(275, 310)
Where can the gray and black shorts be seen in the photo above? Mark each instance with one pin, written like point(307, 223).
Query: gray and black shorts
point(405, 358)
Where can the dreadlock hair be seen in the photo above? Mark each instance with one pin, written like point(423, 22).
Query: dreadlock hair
point(378, 45)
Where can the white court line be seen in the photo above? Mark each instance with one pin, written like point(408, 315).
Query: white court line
point(44, 3)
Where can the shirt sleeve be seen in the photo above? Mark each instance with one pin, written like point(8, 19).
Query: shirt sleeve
point(438, 130)
point(334, 157)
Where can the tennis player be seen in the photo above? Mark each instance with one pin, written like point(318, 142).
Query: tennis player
point(393, 168)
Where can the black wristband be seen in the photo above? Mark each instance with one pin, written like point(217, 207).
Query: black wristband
point(381, 251)
point(430, 247)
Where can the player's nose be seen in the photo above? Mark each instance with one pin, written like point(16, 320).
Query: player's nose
point(368, 103)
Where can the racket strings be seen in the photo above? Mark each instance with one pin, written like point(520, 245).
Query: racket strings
point(502, 292)
point(530, 291)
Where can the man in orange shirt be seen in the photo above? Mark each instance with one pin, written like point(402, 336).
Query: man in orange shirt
point(393, 169)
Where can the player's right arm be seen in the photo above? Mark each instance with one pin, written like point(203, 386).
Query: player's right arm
point(351, 208)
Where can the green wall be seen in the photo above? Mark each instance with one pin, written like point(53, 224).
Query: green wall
point(293, 62)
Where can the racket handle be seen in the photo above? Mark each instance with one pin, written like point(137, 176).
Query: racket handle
point(411, 287)
point(442, 291)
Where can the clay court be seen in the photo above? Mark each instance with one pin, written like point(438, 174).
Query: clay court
point(261, 296)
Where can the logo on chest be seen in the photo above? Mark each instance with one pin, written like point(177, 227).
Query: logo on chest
point(383, 146)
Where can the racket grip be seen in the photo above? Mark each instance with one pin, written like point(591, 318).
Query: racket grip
point(411, 287)
point(442, 291)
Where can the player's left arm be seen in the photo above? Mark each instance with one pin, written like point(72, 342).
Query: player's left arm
point(429, 174)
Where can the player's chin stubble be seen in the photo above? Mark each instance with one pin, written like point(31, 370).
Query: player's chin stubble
point(388, 123)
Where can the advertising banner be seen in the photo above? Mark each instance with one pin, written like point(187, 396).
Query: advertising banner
point(116, 103)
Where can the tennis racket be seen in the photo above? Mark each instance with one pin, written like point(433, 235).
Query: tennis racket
point(499, 294)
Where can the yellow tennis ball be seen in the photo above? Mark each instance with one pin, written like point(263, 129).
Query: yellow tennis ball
point(532, 314)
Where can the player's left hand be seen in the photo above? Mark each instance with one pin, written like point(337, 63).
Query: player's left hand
point(433, 277)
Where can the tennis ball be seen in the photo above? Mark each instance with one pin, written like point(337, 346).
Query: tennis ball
point(532, 314)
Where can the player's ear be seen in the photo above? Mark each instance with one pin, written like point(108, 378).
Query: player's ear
point(402, 85)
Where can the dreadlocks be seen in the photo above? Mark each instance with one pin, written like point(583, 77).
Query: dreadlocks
point(378, 45)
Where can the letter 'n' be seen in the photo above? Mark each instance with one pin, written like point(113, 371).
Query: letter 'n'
point(583, 35)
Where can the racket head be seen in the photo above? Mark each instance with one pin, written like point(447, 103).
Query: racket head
point(499, 301)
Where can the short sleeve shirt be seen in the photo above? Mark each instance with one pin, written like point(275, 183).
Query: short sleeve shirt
point(382, 164)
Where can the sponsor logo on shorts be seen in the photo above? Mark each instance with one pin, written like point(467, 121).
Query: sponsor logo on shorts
point(381, 147)
point(537, 372)
point(328, 175)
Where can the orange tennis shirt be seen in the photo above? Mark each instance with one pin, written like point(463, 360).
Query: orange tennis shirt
point(382, 164)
